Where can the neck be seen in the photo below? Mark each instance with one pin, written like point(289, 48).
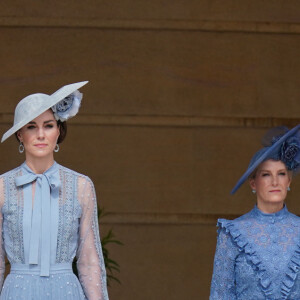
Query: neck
point(39, 164)
point(270, 208)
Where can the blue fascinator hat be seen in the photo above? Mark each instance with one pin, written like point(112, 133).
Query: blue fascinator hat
point(279, 143)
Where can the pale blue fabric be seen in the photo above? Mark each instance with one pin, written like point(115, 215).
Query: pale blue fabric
point(39, 215)
point(257, 257)
point(42, 237)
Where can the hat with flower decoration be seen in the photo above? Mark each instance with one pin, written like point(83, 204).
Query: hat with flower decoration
point(279, 143)
point(64, 103)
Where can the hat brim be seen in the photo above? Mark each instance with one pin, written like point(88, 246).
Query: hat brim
point(275, 147)
point(57, 96)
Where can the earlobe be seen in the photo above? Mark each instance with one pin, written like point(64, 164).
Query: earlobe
point(19, 136)
point(252, 184)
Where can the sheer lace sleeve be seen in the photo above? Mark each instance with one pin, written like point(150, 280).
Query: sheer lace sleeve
point(90, 263)
point(2, 253)
point(223, 280)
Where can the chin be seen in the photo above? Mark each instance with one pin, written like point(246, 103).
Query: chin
point(40, 153)
point(277, 200)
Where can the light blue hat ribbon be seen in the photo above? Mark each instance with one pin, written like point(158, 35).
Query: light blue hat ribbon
point(40, 238)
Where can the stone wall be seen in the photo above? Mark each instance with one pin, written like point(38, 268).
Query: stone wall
point(180, 93)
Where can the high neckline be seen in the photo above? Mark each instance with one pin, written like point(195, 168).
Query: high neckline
point(279, 215)
point(49, 170)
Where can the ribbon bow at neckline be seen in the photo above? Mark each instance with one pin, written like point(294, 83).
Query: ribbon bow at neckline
point(41, 215)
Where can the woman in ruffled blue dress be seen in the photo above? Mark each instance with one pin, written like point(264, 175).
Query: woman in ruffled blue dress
point(258, 254)
point(48, 213)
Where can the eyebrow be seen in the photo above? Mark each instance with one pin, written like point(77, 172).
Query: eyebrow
point(280, 170)
point(49, 121)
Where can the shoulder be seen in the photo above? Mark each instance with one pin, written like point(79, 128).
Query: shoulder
point(225, 223)
point(83, 183)
point(11, 173)
point(293, 216)
point(294, 219)
point(79, 176)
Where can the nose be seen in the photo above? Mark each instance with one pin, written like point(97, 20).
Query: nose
point(274, 180)
point(40, 133)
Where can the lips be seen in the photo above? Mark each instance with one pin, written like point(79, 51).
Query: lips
point(40, 145)
point(275, 191)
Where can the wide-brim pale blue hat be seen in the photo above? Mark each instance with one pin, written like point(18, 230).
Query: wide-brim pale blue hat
point(284, 147)
point(34, 105)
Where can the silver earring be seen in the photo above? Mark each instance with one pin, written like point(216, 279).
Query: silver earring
point(254, 191)
point(56, 149)
point(21, 147)
point(288, 188)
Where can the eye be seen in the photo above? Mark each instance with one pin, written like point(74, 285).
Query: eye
point(49, 126)
point(282, 173)
point(30, 127)
point(264, 174)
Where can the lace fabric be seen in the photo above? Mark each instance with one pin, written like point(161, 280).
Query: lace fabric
point(73, 221)
point(257, 257)
point(91, 269)
point(2, 252)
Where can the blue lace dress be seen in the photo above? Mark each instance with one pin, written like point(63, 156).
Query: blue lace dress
point(46, 219)
point(257, 257)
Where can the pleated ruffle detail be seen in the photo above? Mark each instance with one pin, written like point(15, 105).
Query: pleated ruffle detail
point(251, 255)
point(291, 274)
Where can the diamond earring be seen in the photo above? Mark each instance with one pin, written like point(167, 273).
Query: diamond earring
point(56, 149)
point(21, 147)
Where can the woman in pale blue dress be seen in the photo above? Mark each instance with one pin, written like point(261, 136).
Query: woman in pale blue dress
point(48, 212)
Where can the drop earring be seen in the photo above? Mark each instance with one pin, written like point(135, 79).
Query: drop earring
point(288, 188)
point(254, 191)
point(56, 149)
point(21, 147)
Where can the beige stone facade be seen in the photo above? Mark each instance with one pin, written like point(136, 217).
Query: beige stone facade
point(180, 93)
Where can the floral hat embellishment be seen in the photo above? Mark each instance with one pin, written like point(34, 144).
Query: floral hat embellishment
point(290, 153)
point(68, 107)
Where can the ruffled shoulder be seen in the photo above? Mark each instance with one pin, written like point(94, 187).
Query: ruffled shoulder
point(233, 228)
point(293, 266)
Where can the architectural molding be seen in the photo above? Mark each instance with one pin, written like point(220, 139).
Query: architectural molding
point(167, 25)
point(163, 218)
point(171, 121)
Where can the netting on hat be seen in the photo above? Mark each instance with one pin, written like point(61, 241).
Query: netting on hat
point(273, 135)
point(288, 150)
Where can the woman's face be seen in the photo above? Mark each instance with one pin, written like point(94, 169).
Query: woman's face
point(39, 136)
point(271, 183)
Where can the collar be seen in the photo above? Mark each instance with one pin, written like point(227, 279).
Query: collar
point(49, 171)
point(273, 217)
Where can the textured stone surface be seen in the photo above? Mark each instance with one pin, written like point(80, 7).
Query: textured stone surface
point(165, 73)
point(180, 94)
